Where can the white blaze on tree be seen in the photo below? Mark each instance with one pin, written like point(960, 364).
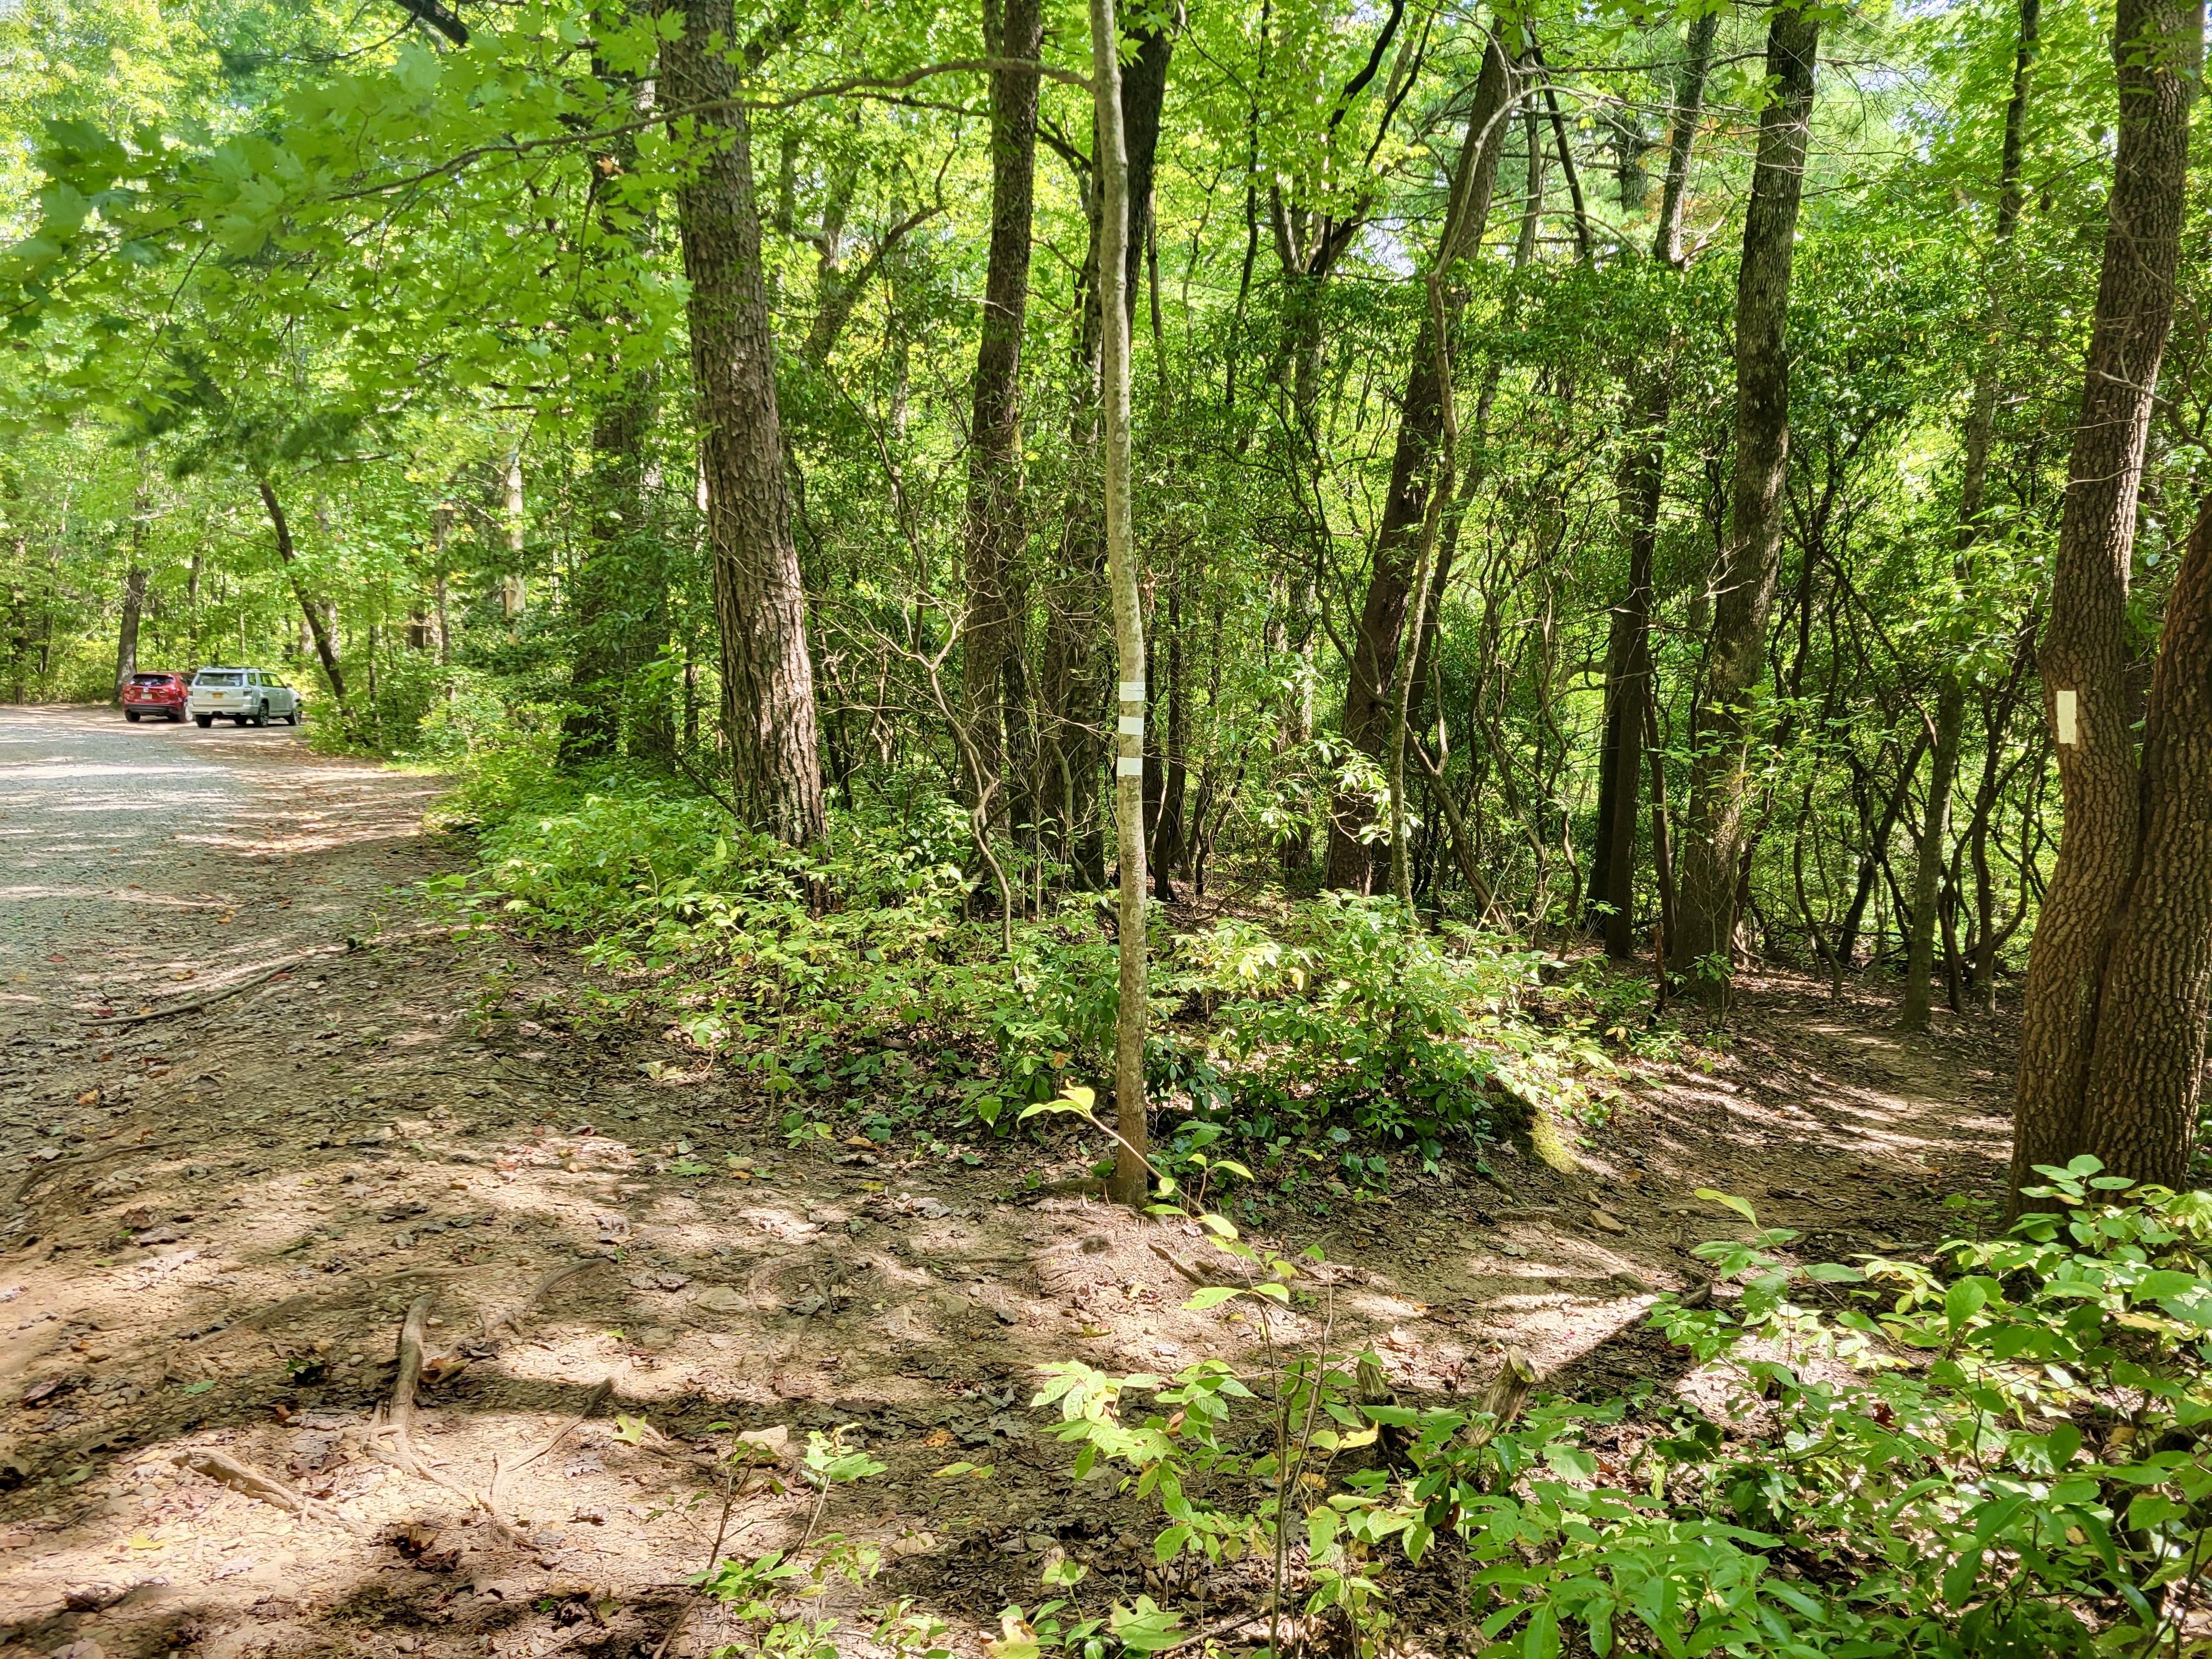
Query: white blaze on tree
point(1112, 166)
point(511, 596)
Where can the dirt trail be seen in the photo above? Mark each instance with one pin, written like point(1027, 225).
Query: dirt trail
point(217, 1223)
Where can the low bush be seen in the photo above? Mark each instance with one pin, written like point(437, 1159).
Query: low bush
point(1331, 1019)
point(2004, 1455)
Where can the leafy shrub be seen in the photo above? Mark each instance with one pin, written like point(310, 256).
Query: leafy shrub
point(1340, 1014)
point(1359, 1011)
point(2006, 1458)
point(656, 877)
point(498, 752)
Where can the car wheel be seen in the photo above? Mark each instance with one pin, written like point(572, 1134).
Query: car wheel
point(261, 715)
point(293, 718)
point(203, 722)
point(130, 714)
point(177, 715)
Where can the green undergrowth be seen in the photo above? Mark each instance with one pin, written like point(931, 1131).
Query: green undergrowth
point(1999, 1452)
point(855, 984)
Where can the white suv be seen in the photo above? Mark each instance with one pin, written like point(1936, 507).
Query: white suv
point(241, 695)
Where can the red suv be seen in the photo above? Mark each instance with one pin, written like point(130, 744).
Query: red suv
point(155, 694)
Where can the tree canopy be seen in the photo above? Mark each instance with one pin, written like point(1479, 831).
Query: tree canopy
point(1595, 473)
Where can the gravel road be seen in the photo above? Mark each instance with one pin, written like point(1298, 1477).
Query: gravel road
point(143, 864)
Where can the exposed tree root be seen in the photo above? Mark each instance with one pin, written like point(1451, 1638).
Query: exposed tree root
point(512, 1320)
point(257, 1483)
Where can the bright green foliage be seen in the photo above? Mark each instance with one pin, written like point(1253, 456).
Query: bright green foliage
point(392, 278)
point(2001, 1455)
point(1317, 1046)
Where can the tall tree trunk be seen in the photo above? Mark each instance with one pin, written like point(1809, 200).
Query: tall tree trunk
point(1399, 539)
point(126, 637)
point(1928, 854)
point(1705, 921)
point(1662, 851)
point(1117, 219)
point(760, 607)
point(1628, 664)
point(2090, 917)
point(617, 598)
point(441, 524)
point(1301, 331)
point(1472, 188)
point(134, 590)
point(513, 591)
point(992, 642)
point(1309, 244)
point(1074, 686)
point(1643, 480)
point(1169, 849)
point(2139, 1111)
point(319, 623)
point(1689, 103)
point(1877, 829)
point(1996, 718)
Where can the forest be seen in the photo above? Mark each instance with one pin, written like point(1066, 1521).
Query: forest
point(1261, 603)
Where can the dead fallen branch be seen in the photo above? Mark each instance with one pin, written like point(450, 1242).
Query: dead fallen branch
point(268, 972)
point(247, 1324)
point(256, 1483)
point(1195, 1275)
point(1218, 1629)
point(64, 1165)
point(283, 964)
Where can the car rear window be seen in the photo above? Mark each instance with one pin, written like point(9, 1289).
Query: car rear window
point(150, 679)
point(219, 679)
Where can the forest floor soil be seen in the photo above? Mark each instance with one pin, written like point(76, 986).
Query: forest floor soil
point(214, 1221)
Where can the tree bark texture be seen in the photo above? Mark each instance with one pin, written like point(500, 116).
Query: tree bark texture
point(760, 607)
point(992, 646)
point(126, 638)
point(1628, 666)
point(1735, 651)
point(2139, 1111)
point(1643, 480)
point(1397, 538)
point(513, 588)
point(1115, 222)
point(1170, 846)
point(2084, 658)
